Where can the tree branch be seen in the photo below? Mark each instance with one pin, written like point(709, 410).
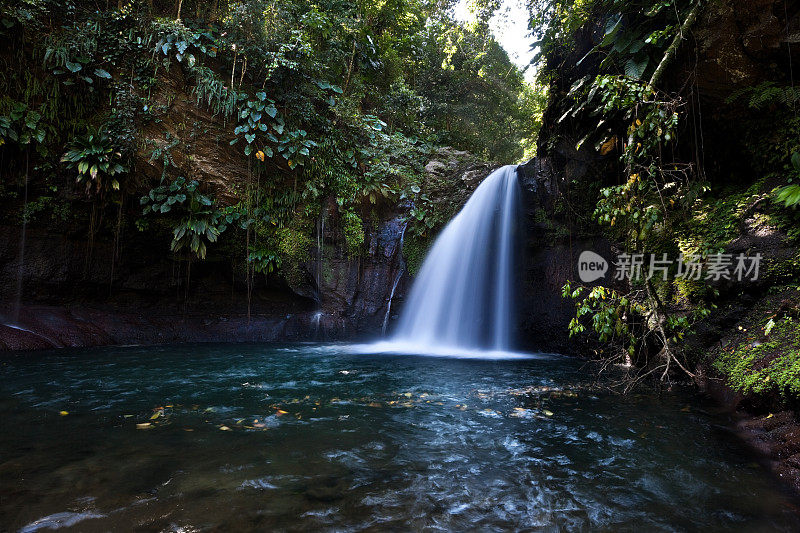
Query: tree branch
point(673, 48)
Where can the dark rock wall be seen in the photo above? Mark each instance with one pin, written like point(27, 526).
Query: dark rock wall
point(550, 254)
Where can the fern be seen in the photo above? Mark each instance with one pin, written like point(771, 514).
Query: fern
point(767, 94)
point(209, 89)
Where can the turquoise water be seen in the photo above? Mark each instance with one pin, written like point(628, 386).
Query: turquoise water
point(257, 437)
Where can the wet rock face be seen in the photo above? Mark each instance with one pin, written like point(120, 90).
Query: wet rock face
point(47, 327)
point(745, 43)
point(358, 290)
point(550, 256)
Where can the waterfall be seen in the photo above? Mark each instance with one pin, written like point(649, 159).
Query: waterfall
point(463, 296)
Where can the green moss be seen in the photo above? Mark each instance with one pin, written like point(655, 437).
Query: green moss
point(414, 251)
point(555, 231)
point(715, 222)
point(294, 248)
point(691, 290)
point(353, 228)
point(783, 271)
point(755, 367)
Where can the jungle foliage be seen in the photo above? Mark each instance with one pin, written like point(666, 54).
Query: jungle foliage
point(326, 102)
point(656, 196)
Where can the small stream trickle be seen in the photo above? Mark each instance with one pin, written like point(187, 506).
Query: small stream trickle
point(389, 301)
point(401, 270)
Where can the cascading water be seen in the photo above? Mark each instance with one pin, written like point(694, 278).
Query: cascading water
point(463, 296)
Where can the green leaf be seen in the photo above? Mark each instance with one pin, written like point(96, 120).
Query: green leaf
point(73, 67)
point(636, 70)
point(789, 195)
point(100, 73)
point(796, 161)
point(612, 27)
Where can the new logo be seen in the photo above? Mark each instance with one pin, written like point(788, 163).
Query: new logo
point(591, 266)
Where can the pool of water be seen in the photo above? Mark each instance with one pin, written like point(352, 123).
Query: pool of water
point(328, 437)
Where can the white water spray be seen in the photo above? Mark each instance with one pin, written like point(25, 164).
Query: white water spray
point(463, 296)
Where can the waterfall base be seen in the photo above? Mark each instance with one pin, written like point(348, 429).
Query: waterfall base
point(436, 350)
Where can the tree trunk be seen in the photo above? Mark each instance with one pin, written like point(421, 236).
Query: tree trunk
point(673, 48)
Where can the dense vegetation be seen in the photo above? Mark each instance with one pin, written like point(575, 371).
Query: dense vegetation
point(666, 186)
point(231, 125)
